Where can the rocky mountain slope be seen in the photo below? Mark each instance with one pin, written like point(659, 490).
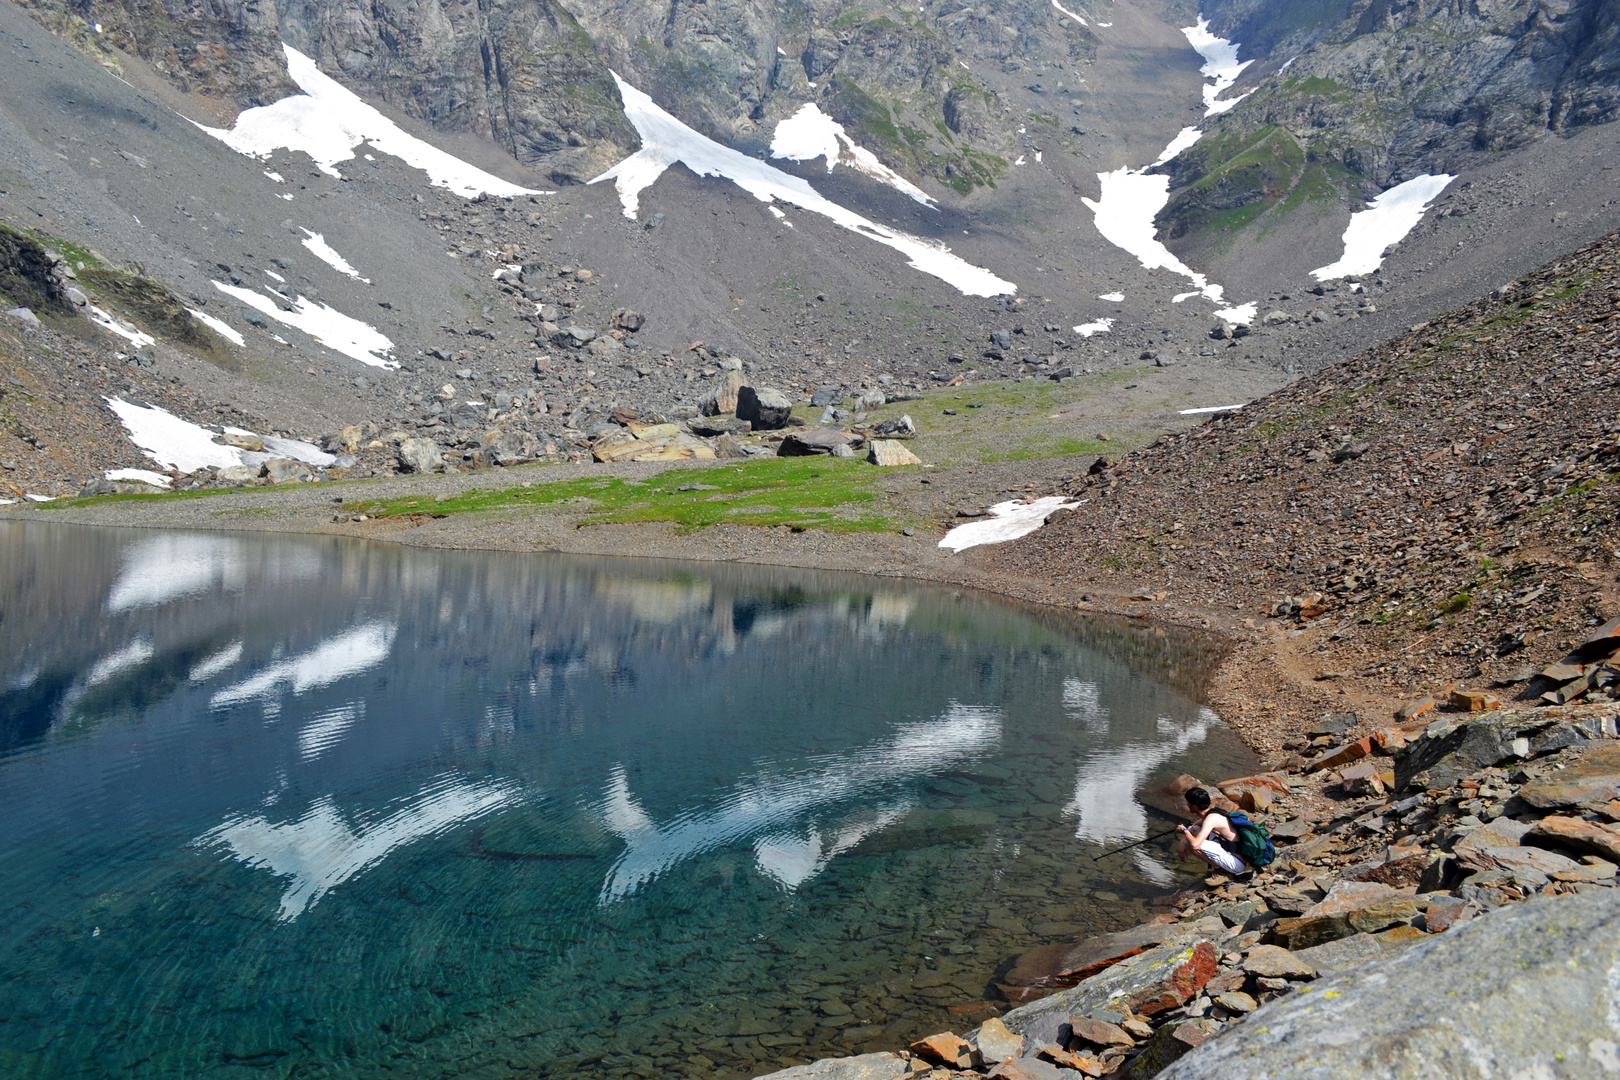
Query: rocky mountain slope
point(990, 131)
point(1436, 513)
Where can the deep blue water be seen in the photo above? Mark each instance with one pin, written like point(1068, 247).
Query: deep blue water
point(295, 807)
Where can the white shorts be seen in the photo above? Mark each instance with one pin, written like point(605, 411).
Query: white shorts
point(1218, 856)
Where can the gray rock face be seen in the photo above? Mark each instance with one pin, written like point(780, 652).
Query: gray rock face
point(421, 456)
point(861, 1067)
point(765, 408)
point(285, 470)
point(1393, 90)
point(1524, 991)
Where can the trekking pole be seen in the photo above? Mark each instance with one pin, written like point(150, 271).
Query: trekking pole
point(1127, 847)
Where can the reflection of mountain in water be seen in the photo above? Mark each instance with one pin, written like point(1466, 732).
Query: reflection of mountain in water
point(767, 807)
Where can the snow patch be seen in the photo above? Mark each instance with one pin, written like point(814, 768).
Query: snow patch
point(1007, 521)
point(277, 177)
point(1210, 409)
point(1070, 14)
point(810, 133)
point(665, 141)
point(170, 441)
point(327, 325)
point(1115, 297)
point(1101, 326)
point(181, 445)
point(323, 251)
point(1220, 64)
point(218, 326)
point(327, 121)
point(1384, 223)
point(139, 476)
point(123, 330)
point(31, 497)
point(1186, 138)
point(1238, 314)
point(1124, 212)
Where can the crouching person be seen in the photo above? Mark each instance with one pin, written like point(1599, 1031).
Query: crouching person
point(1215, 841)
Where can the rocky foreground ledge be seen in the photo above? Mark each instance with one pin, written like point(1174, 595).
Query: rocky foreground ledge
point(1454, 916)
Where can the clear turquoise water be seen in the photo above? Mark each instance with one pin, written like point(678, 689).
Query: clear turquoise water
point(290, 807)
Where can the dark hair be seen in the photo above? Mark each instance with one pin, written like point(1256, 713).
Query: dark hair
point(1198, 798)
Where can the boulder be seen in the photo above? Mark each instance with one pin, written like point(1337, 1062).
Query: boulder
point(722, 400)
point(1256, 793)
point(238, 474)
point(819, 441)
point(512, 447)
point(1100, 1032)
point(825, 395)
point(24, 316)
point(628, 319)
point(286, 470)
point(947, 1049)
point(420, 456)
point(253, 442)
point(867, 400)
point(1522, 991)
point(1450, 749)
point(765, 408)
point(1155, 981)
point(1169, 1044)
point(888, 452)
point(1271, 962)
point(996, 1044)
point(1593, 780)
point(1048, 967)
point(885, 1066)
point(1575, 834)
point(902, 427)
point(720, 425)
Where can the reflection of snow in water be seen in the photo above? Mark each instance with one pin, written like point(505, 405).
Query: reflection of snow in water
point(134, 654)
point(328, 120)
point(1007, 521)
point(1381, 226)
point(325, 729)
point(172, 566)
point(212, 665)
point(810, 133)
point(766, 806)
point(1083, 701)
point(320, 850)
point(348, 654)
point(665, 141)
point(792, 860)
point(1105, 790)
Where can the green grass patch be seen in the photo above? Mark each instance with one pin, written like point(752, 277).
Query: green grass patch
point(1046, 446)
point(804, 493)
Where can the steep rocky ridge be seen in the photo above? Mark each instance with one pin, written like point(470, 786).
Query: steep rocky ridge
point(1357, 96)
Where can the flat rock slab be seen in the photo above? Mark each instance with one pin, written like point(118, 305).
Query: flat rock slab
point(1065, 964)
point(1575, 834)
point(1149, 983)
point(1522, 992)
point(1595, 778)
point(1345, 953)
point(862, 1067)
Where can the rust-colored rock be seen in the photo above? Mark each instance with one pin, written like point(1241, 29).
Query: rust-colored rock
point(1344, 755)
point(947, 1049)
point(1575, 834)
point(1184, 981)
point(1100, 1032)
point(1255, 793)
point(1474, 701)
point(1271, 962)
point(1085, 1064)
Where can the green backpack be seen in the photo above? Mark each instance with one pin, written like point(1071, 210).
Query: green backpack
point(1253, 841)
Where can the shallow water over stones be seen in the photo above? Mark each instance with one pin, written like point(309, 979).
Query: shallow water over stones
point(291, 807)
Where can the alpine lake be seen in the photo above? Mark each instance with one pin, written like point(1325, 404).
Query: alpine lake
point(318, 808)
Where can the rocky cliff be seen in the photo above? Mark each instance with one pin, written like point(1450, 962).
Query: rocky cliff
point(1355, 96)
